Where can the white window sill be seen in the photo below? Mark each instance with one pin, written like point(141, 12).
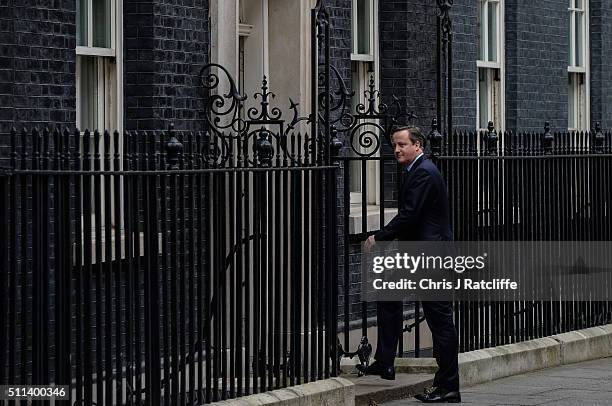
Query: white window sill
point(488, 64)
point(95, 51)
point(372, 218)
point(362, 57)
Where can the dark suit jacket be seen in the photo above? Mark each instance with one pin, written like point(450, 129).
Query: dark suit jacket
point(424, 213)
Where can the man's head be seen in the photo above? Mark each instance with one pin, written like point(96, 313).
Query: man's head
point(408, 143)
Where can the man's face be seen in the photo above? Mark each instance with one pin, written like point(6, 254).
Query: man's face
point(405, 150)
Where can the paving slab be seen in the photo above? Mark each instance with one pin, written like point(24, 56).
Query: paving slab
point(582, 384)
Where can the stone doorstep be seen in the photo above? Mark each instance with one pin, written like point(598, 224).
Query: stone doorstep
point(371, 390)
point(414, 374)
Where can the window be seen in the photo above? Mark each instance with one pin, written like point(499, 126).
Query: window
point(98, 83)
point(98, 73)
point(364, 29)
point(364, 69)
point(489, 97)
point(578, 69)
point(244, 31)
point(253, 46)
point(490, 63)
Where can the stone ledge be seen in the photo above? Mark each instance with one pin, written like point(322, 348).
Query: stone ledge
point(512, 359)
point(333, 392)
point(414, 374)
point(506, 360)
point(584, 345)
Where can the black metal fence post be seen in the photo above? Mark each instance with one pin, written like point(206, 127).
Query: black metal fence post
point(5, 274)
point(445, 48)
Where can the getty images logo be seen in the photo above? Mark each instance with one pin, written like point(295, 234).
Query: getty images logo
point(412, 263)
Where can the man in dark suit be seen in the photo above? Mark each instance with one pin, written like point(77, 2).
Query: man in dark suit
point(424, 215)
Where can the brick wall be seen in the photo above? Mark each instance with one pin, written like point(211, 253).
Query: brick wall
point(165, 48)
point(536, 64)
point(465, 42)
point(601, 62)
point(340, 36)
point(37, 64)
point(408, 55)
point(536, 46)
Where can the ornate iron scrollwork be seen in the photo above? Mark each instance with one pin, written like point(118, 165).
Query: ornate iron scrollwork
point(368, 123)
point(253, 135)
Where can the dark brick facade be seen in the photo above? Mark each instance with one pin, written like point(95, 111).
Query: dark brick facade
point(601, 62)
point(536, 54)
point(465, 43)
point(165, 48)
point(37, 64)
point(536, 59)
point(165, 45)
point(407, 55)
point(537, 49)
point(340, 36)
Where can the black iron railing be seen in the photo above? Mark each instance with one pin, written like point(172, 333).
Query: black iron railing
point(165, 268)
point(502, 187)
point(529, 187)
point(176, 268)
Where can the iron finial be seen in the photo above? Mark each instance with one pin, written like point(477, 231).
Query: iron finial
point(173, 147)
point(491, 139)
point(263, 148)
point(599, 138)
point(435, 138)
point(547, 139)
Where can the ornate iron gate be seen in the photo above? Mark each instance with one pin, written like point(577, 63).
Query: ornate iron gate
point(174, 267)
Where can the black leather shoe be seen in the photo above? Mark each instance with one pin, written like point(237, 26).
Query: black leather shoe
point(439, 395)
point(376, 368)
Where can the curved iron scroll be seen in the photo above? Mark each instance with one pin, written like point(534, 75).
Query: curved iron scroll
point(254, 135)
point(366, 125)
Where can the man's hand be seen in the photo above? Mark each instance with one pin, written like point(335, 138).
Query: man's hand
point(369, 243)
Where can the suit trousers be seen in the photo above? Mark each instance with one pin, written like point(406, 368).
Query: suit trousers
point(439, 317)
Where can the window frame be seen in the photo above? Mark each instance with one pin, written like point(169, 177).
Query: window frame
point(111, 55)
point(577, 71)
point(372, 35)
point(579, 104)
point(114, 41)
point(363, 61)
point(572, 67)
point(490, 81)
point(490, 65)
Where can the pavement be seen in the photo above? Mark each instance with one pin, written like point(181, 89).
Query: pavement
point(583, 384)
